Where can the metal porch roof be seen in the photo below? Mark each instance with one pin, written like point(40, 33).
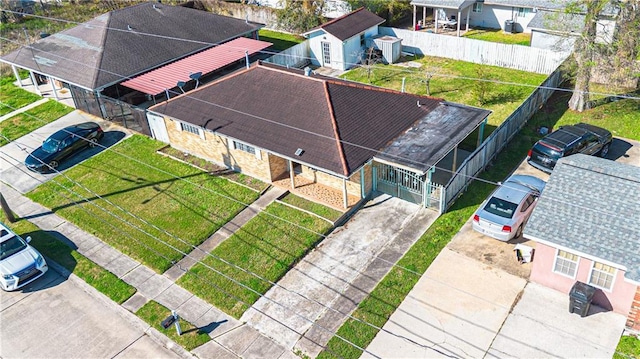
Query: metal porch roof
point(167, 77)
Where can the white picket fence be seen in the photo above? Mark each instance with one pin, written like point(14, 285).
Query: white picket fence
point(516, 57)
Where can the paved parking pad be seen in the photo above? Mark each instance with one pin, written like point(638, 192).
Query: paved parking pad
point(541, 326)
point(455, 309)
point(55, 318)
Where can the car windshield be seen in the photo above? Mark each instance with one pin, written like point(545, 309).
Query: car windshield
point(51, 145)
point(547, 151)
point(500, 207)
point(11, 246)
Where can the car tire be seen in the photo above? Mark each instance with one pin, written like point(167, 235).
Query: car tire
point(604, 151)
point(518, 232)
point(93, 143)
point(53, 165)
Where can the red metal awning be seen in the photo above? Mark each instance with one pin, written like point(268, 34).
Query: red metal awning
point(167, 77)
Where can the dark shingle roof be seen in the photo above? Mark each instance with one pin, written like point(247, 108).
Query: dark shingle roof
point(592, 206)
point(351, 24)
point(103, 50)
point(340, 125)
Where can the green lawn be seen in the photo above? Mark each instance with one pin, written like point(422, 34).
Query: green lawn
point(497, 35)
point(154, 313)
point(280, 40)
point(266, 245)
point(13, 97)
point(628, 348)
point(313, 207)
point(179, 214)
point(25, 122)
point(621, 117)
point(53, 249)
point(455, 81)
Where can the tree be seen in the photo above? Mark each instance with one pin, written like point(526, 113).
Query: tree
point(585, 49)
point(429, 72)
point(391, 10)
point(300, 16)
point(369, 60)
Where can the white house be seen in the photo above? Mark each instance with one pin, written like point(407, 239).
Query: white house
point(339, 42)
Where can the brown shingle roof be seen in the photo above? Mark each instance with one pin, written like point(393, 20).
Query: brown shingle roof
point(340, 125)
point(351, 24)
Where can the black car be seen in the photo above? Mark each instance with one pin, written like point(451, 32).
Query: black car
point(568, 140)
point(63, 144)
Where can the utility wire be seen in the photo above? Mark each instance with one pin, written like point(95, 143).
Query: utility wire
point(298, 57)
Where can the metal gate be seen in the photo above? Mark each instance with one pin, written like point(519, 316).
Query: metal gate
point(400, 183)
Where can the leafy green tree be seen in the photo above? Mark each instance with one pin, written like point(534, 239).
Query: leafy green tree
point(390, 10)
point(300, 16)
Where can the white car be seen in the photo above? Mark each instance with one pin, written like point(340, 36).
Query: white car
point(506, 211)
point(20, 264)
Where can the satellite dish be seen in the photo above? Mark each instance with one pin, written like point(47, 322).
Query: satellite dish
point(181, 85)
point(196, 76)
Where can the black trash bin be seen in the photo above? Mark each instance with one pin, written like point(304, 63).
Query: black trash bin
point(580, 298)
point(508, 26)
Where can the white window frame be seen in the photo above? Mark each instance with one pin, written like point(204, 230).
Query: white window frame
point(555, 262)
point(241, 146)
point(477, 7)
point(613, 275)
point(191, 128)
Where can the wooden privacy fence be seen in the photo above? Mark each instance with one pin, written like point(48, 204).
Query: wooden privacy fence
point(480, 158)
point(516, 57)
point(296, 56)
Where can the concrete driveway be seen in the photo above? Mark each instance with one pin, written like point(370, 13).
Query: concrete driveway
point(54, 317)
point(12, 169)
point(329, 282)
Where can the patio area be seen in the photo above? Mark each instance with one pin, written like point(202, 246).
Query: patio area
point(317, 192)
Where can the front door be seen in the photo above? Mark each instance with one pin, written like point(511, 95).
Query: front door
point(326, 53)
point(158, 128)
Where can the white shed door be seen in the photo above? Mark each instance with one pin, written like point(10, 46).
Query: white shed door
point(326, 53)
point(158, 128)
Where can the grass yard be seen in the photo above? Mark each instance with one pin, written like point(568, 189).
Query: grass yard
point(265, 245)
point(154, 313)
point(111, 197)
point(497, 35)
point(104, 281)
point(13, 97)
point(628, 348)
point(280, 40)
point(621, 117)
point(25, 122)
point(313, 207)
point(455, 81)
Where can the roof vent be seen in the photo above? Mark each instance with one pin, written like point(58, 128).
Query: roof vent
point(129, 27)
point(418, 103)
point(299, 152)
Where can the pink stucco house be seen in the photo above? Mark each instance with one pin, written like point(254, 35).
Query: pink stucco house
point(586, 226)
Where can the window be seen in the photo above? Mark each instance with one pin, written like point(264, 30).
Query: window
point(523, 11)
point(602, 276)
point(527, 203)
point(242, 147)
point(190, 128)
point(362, 39)
point(566, 263)
point(477, 7)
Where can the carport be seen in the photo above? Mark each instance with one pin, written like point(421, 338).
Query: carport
point(407, 167)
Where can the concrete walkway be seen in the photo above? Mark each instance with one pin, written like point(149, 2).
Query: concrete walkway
point(339, 273)
point(231, 338)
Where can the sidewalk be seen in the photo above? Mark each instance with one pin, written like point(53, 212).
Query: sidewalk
point(230, 337)
point(23, 109)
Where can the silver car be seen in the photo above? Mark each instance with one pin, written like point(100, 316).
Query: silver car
point(20, 264)
point(506, 211)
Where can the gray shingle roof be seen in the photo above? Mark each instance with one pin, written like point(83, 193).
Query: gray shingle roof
point(557, 21)
point(103, 50)
point(592, 206)
point(353, 23)
point(448, 4)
